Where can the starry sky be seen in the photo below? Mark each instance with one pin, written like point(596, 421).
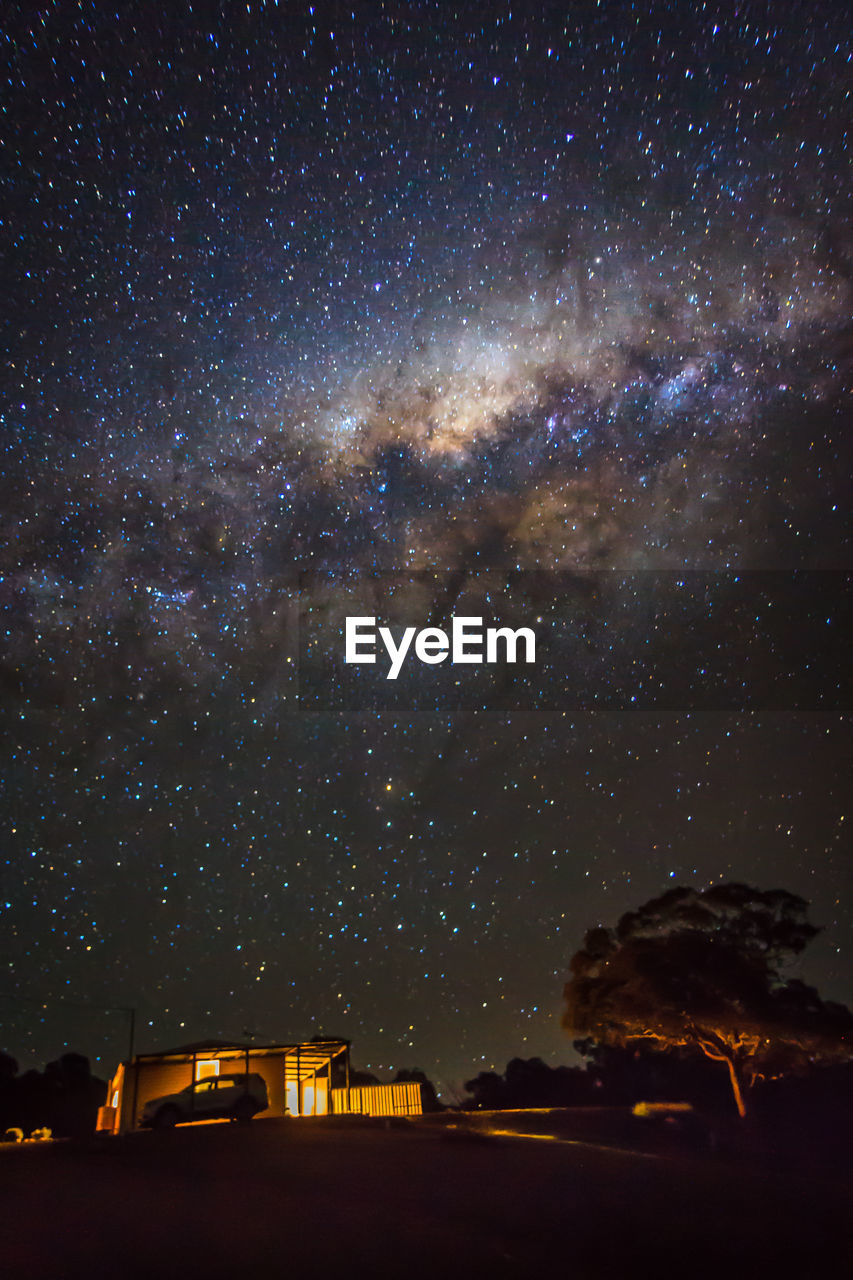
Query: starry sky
point(540, 313)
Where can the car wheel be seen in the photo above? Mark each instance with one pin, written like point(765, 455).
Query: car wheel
point(167, 1118)
point(244, 1110)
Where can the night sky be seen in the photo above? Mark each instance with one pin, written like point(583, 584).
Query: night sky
point(531, 312)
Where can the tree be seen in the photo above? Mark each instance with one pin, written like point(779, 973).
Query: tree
point(528, 1083)
point(706, 970)
point(619, 1074)
point(64, 1098)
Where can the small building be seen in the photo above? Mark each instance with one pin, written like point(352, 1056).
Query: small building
point(307, 1079)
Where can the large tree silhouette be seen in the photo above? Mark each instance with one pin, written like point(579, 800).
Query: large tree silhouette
point(707, 970)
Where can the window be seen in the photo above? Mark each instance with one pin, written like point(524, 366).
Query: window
point(206, 1067)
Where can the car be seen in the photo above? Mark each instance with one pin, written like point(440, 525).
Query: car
point(233, 1097)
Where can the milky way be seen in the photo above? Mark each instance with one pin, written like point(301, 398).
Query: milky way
point(310, 314)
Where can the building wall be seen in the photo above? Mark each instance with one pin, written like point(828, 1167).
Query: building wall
point(312, 1097)
point(109, 1113)
point(271, 1067)
point(153, 1078)
point(147, 1079)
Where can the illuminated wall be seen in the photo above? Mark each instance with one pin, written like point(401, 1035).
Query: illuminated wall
point(315, 1097)
point(296, 1076)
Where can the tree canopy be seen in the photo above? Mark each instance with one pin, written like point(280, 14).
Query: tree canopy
point(708, 970)
point(529, 1083)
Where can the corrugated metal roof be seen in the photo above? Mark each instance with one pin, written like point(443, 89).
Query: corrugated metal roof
point(310, 1051)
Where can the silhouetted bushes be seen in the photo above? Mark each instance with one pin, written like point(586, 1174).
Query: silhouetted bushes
point(64, 1097)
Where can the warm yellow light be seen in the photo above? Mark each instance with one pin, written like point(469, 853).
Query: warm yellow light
point(661, 1108)
point(512, 1133)
point(206, 1067)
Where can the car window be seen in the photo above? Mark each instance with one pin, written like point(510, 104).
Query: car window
point(204, 1086)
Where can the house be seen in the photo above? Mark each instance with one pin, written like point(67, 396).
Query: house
point(307, 1079)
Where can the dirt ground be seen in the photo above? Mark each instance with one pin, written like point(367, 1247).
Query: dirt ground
point(411, 1200)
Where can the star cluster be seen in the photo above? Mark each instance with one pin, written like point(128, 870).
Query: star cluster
point(412, 310)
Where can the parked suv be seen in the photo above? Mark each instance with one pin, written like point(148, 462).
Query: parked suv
point(235, 1097)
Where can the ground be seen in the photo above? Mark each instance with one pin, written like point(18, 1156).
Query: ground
point(414, 1199)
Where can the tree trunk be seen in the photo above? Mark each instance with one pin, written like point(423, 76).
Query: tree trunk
point(737, 1089)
